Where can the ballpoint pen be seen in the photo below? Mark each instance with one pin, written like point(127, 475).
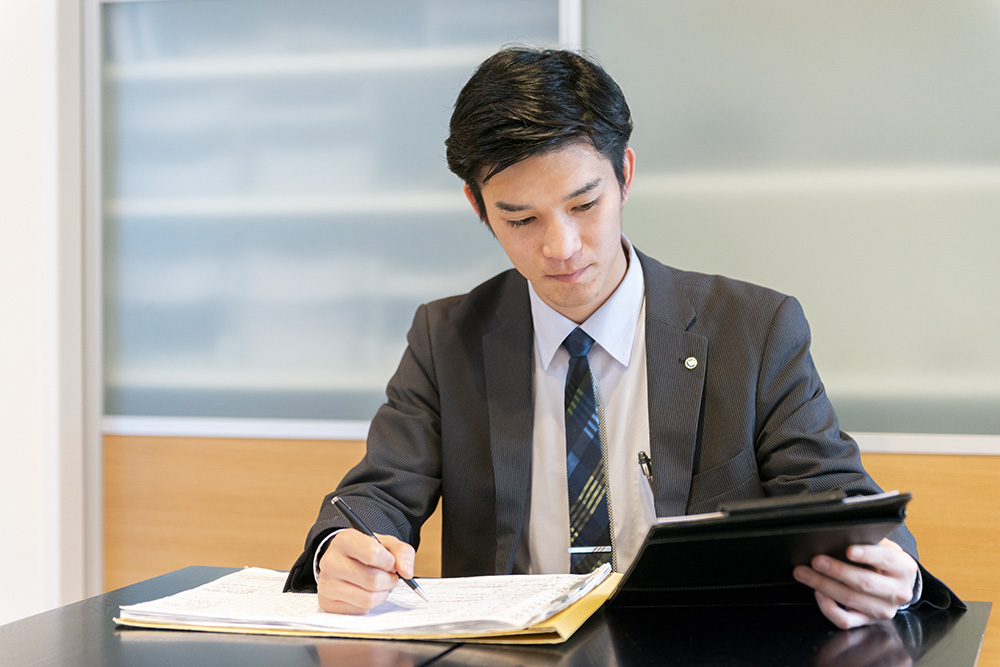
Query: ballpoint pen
point(358, 524)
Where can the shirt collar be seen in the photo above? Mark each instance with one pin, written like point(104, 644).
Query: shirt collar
point(612, 325)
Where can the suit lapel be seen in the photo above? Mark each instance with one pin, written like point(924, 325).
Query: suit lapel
point(507, 363)
point(675, 386)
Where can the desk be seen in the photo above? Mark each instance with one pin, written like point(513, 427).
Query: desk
point(84, 634)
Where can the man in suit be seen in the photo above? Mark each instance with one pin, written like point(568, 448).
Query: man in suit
point(708, 379)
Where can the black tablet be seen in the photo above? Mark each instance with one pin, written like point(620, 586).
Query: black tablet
point(745, 552)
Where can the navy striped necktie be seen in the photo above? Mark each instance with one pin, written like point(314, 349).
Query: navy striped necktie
point(589, 521)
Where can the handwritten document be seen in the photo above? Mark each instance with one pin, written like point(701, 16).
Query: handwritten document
point(252, 599)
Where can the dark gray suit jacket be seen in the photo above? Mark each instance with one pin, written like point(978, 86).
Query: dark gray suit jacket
point(751, 419)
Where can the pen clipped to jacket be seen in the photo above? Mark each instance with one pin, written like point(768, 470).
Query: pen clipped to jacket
point(646, 465)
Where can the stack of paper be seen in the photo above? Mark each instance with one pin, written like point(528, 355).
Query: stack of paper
point(515, 608)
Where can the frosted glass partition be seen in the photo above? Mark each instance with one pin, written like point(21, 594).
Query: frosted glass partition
point(276, 200)
point(846, 152)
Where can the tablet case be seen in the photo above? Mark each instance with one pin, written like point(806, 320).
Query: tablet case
point(744, 553)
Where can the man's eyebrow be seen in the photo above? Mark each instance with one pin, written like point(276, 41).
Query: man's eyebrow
point(585, 189)
point(510, 208)
point(515, 208)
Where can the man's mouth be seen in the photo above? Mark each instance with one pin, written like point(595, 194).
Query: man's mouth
point(568, 277)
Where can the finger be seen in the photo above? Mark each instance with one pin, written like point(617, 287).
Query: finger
point(352, 571)
point(342, 597)
point(889, 559)
point(826, 577)
point(886, 557)
point(893, 585)
point(350, 587)
point(365, 549)
point(402, 552)
point(838, 615)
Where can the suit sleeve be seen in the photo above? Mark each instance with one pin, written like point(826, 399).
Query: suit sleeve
point(800, 447)
point(396, 486)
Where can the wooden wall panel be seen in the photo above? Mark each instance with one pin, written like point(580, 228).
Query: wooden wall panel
point(955, 516)
point(174, 502)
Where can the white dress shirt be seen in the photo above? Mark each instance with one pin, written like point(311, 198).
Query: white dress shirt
point(618, 360)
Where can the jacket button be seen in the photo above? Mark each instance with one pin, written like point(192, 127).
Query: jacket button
point(690, 363)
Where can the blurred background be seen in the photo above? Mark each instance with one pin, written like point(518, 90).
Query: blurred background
point(276, 202)
point(251, 199)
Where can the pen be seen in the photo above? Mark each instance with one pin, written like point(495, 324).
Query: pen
point(358, 524)
point(646, 466)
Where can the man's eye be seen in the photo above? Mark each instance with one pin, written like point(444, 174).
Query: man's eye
point(586, 207)
point(521, 223)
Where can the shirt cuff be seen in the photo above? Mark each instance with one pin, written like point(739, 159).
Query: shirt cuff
point(321, 549)
point(918, 590)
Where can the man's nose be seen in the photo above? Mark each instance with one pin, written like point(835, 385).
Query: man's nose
point(562, 239)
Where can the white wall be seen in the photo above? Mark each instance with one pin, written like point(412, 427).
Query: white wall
point(41, 342)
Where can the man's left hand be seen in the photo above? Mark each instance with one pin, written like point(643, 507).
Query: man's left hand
point(871, 587)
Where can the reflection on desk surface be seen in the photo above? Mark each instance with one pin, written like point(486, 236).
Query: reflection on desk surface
point(84, 634)
point(148, 647)
point(796, 635)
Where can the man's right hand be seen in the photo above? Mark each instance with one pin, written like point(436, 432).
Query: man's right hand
point(356, 573)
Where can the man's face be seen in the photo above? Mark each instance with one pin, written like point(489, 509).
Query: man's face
point(558, 217)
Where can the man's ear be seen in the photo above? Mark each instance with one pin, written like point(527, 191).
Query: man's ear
point(628, 169)
point(472, 200)
point(475, 206)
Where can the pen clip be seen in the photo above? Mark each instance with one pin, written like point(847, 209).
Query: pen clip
point(646, 465)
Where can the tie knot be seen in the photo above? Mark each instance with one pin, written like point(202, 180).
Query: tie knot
point(578, 343)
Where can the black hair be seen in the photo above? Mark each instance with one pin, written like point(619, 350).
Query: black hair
point(522, 102)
